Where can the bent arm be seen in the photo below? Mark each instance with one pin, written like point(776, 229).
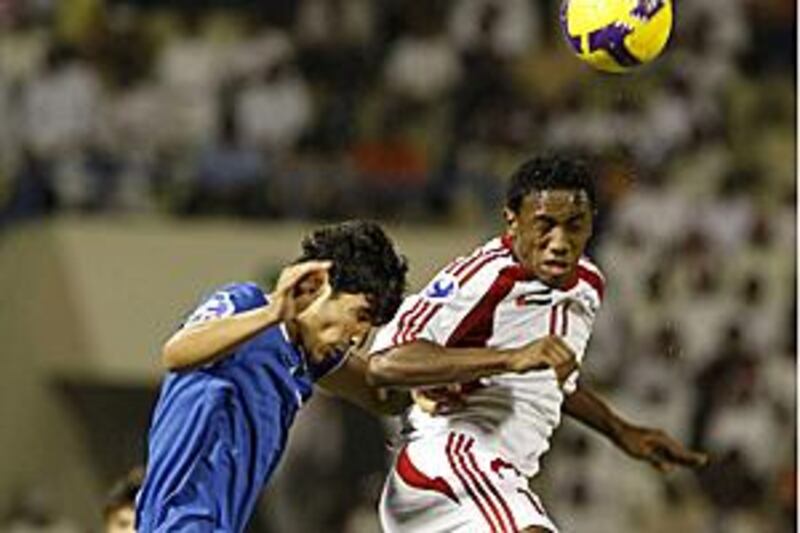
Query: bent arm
point(423, 363)
point(205, 342)
point(350, 383)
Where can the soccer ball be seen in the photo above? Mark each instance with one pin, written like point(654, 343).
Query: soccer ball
point(616, 35)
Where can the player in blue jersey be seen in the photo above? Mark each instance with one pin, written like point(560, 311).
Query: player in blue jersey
point(242, 365)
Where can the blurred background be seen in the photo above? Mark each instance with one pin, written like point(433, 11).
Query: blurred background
point(150, 150)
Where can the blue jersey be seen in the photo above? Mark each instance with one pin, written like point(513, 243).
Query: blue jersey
point(218, 432)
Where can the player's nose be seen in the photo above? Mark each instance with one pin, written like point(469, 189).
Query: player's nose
point(558, 245)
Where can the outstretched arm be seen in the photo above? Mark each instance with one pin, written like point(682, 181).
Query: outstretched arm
point(647, 444)
point(422, 363)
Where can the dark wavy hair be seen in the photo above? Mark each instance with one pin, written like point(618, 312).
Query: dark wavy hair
point(364, 261)
point(550, 172)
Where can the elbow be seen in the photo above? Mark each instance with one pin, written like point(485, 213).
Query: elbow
point(171, 357)
point(399, 367)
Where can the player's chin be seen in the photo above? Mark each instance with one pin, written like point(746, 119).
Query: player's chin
point(553, 280)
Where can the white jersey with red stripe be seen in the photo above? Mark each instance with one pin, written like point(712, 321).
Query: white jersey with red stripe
point(487, 299)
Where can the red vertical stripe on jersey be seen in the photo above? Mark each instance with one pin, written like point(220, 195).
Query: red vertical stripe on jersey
point(480, 264)
point(553, 316)
point(533, 501)
point(412, 334)
point(476, 328)
point(592, 278)
point(462, 479)
point(461, 441)
point(492, 488)
point(411, 320)
point(454, 264)
point(401, 324)
point(565, 317)
point(483, 253)
point(467, 262)
point(413, 477)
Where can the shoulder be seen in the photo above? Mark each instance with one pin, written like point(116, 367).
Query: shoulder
point(592, 277)
point(240, 295)
point(227, 300)
point(470, 276)
point(243, 293)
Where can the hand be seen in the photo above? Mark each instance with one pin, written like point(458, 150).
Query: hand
point(548, 352)
point(283, 298)
point(658, 448)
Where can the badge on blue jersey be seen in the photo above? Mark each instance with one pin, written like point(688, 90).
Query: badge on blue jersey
point(442, 289)
point(218, 305)
point(226, 301)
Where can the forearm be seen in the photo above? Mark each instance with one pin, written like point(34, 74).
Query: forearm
point(591, 410)
point(423, 363)
point(200, 344)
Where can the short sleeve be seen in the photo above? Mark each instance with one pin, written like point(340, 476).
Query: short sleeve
point(226, 301)
point(433, 314)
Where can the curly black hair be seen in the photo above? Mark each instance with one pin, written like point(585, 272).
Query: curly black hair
point(548, 172)
point(364, 261)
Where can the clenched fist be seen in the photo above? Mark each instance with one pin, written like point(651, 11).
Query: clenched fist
point(547, 352)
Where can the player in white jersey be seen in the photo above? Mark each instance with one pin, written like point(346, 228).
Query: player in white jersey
point(468, 469)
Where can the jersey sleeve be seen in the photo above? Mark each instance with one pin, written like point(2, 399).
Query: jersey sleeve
point(432, 314)
point(580, 312)
point(226, 301)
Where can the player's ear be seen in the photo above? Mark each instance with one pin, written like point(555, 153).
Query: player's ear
point(311, 283)
point(308, 288)
point(511, 220)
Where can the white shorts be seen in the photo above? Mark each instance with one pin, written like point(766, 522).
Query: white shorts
point(450, 484)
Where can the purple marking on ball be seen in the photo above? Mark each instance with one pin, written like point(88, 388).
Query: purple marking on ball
point(573, 40)
point(647, 9)
point(612, 39)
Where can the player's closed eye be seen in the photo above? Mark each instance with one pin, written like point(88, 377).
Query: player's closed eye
point(575, 223)
point(574, 227)
point(544, 225)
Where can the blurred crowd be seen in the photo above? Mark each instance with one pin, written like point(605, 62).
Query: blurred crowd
point(306, 109)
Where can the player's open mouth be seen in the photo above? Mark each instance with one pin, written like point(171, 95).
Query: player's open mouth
point(554, 267)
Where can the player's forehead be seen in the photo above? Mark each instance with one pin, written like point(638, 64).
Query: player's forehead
point(556, 203)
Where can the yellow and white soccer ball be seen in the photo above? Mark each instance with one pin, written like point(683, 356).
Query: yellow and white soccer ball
point(616, 35)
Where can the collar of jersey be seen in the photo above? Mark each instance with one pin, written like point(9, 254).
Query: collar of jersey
point(285, 332)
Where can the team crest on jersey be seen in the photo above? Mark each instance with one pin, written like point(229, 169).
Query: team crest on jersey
point(442, 289)
point(217, 306)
